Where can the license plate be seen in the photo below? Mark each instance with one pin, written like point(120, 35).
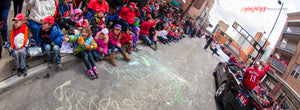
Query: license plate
point(242, 99)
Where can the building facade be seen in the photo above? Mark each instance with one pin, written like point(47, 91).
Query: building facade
point(284, 82)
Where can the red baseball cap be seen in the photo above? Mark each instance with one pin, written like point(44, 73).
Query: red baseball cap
point(156, 4)
point(48, 19)
point(19, 16)
point(132, 4)
point(149, 15)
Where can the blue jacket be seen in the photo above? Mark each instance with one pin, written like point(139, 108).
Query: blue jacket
point(56, 36)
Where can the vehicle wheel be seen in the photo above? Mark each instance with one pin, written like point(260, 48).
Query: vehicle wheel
point(220, 92)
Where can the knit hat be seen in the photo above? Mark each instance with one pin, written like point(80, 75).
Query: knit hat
point(19, 16)
point(48, 19)
point(117, 26)
point(104, 31)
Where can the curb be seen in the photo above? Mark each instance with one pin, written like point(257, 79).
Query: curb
point(32, 72)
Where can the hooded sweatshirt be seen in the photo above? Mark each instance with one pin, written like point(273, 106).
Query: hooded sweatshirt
point(135, 35)
point(101, 44)
point(80, 18)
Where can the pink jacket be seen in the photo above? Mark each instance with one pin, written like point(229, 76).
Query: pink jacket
point(113, 41)
point(101, 45)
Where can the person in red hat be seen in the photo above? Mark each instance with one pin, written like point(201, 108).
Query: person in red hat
point(50, 37)
point(152, 6)
point(19, 40)
point(143, 13)
point(39, 9)
point(98, 21)
point(127, 13)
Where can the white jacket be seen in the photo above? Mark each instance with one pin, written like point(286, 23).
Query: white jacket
point(40, 9)
point(163, 33)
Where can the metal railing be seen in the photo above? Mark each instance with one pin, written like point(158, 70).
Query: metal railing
point(292, 29)
point(277, 65)
point(287, 47)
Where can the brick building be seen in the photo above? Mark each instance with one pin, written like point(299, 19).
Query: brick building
point(284, 82)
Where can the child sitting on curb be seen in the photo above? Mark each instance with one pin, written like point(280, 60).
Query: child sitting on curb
point(114, 42)
point(84, 45)
point(19, 41)
point(101, 39)
point(126, 40)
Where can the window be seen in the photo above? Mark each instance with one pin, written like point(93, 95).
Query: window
point(295, 71)
point(198, 3)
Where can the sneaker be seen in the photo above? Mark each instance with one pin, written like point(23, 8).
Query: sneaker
point(91, 74)
point(24, 72)
point(96, 72)
point(59, 65)
point(50, 65)
point(19, 72)
point(135, 49)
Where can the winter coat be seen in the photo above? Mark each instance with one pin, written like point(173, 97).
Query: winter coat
point(96, 22)
point(128, 14)
point(80, 18)
point(94, 4)
point(135, 35)
point(163, 33)
point(145, 27)
point(23, 29)
point(125, 38)
point(101, 45)
point(114, 41)
point(82, 44)
point(40, 9)
point(56, 36)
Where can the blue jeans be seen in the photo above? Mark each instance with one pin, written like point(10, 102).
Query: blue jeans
point(20, 58)
point(99, 55)
point(112, 47)
point(170, 38)
point(87, 58)
point(56, 51)
point(162, 39)
point(34, 28)
point(146, 39)
point(3, 17)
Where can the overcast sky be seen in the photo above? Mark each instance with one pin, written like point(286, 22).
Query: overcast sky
point(231, 10)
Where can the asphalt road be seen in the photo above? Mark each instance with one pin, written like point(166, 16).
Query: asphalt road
point(176, 77)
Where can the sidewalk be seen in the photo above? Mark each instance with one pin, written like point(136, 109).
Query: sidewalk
point(37, 66)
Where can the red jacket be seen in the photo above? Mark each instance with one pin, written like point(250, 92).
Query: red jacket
point(23, 29)
point(128, 14)
point(145, 27)
point(125, 38)
point(252, 76)
point(94, 4)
